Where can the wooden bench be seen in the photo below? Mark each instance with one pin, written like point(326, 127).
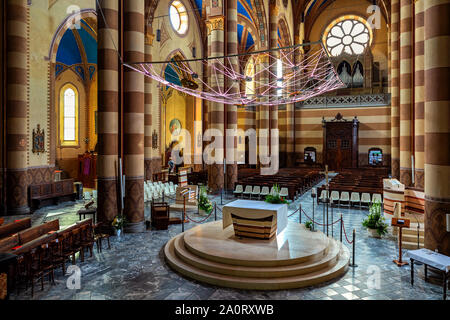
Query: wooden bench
point(26, 239)
point(12, 228)
point(51, 193)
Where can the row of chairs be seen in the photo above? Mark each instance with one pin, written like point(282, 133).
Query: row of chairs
point(257, 191)
point(350, 200)
point(155, 190)
point(41, 261)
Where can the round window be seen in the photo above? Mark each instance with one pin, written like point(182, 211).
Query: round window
point(178, 17)
point(348, 36)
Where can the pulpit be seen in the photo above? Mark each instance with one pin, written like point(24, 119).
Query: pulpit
point(87, 169)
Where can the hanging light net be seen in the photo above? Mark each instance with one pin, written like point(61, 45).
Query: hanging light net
point(279, 76)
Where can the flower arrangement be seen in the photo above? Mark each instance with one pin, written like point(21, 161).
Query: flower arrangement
point(275, 197)
point(203, 201)
point(375, 221)
point(118, 223)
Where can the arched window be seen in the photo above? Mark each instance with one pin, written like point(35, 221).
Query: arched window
point(250, 81)
point(348, 34)
point(178, 17)
point(279, 78)
point(375, 157)
point(69, 116)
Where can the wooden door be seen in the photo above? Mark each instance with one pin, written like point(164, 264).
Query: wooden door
point(340, 145)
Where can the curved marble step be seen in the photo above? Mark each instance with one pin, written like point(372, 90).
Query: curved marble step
point(252, 283)
point(329, 259)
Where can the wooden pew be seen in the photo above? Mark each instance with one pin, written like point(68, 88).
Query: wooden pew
point(12, 228)
point(51, 193)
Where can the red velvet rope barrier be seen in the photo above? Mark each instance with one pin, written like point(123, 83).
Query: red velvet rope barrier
point(315, 222)
point(345, 233)
point(201, 221)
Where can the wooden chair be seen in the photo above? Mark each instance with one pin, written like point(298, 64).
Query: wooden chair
point(39, 267)
point(99, 236)
point(58, 258)
point(87, 238)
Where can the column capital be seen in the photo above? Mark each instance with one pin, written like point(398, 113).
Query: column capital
point(215, 23)
point(274, 9)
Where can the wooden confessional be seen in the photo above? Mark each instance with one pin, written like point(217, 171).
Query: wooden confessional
point(340, 143)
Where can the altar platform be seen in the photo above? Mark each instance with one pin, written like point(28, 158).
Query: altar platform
point(294, 259)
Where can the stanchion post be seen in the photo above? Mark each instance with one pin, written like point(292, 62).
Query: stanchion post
point(215, 211)
point(300, 212)
point(354, 265)
point(323, 216)
point(327, 219)
point(313, 195)
point(221, 196)
point(342, 226)
point(184, 212)
point(332, 221)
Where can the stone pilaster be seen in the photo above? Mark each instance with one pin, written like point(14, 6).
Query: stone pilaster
point(17, 106)
point(395, 88)
point(406, 58)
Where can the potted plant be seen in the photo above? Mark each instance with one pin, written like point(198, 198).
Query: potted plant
point(205, 205)
point(375, 222)
point(118, 224)
point(275, 197)
point(309, 225)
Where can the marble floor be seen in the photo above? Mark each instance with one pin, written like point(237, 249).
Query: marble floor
point(134, 268)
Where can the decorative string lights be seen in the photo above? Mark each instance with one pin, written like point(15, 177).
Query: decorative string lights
point(311, 74)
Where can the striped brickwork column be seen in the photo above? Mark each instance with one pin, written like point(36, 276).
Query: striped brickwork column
point(395, 88)
point(108, 111)
point(273, 43)
point(216, 110)
point(406, 59)
point(148, 114)
point(419, 94)
point(437, 124)
point(16, 106)
point(264, 110)
point(232, 49)
point(133, 116)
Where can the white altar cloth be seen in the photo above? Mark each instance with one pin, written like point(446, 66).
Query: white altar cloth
point(431, 258)
point(249, 209)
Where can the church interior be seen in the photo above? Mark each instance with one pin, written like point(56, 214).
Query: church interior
point(225, 149)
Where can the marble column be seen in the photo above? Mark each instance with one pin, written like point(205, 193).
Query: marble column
point(232, 49)
point(17, 106)
point(419, 95)
point(216, 48)
point(406, 50)
point(395, 88)
point(108, 112)
point(437, 124)
point(133, 116)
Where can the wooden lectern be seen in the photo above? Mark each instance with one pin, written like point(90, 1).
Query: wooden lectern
point(400, 223)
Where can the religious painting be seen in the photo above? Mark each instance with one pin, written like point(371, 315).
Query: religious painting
point(38, 140)
point(175, 127)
